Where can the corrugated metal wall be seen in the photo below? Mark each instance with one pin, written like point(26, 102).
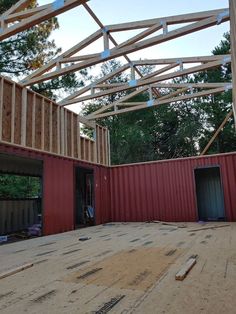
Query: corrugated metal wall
point(17, 214)
point(165, 190)
point(162, 190)
point(59, 189)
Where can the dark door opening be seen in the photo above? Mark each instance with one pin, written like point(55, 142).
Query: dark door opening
point(210, 198)
point(85, 205)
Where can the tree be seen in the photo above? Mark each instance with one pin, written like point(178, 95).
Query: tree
point(27, 51)
point(216, 107)
point(13, 186)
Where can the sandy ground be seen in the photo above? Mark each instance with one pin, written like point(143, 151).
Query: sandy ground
point(122, 268)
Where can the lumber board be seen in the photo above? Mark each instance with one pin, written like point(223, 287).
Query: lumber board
point(37, 18)
point(210, 227)
point(157, 103)
point(182, 273)
point(217, 132)
point(170, 20)
point(15, 270)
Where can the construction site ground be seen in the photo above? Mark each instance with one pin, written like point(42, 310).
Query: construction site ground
point(122, 268)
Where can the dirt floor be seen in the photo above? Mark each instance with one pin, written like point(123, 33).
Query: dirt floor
point(122, 268)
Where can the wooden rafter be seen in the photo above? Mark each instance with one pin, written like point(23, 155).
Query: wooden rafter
point(18, 18)
point(230, 113)
point(198, 22)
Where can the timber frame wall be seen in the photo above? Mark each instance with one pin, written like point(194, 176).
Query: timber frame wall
point(33, 121)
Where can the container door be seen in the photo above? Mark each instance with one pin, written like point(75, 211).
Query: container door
point(210, 199)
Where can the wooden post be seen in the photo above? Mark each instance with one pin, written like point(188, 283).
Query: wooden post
point(43, 124)
point(72, 134)
point(58, 130)
point(13, 107)
point(33, 120)
point(23, 116)
point(50, 127)
point(232, 11)
point(1, 105)
point(78, 138)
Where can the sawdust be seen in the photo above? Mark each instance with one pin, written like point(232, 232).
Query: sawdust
point(137, 270)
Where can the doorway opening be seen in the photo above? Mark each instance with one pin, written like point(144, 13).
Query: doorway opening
point(210, 197)
point(85, 204)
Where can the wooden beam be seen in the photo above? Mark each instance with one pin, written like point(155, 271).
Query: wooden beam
point(170, 20)
point(182, 273)
point(157, 103)
point(198, 59)
point(217, 132)
point(15, 270)
point(33, 119)
point(232, 10)
point(50, 127)
point(1, 105)
point(13, 109)
point(23, 116)
point(50, 11)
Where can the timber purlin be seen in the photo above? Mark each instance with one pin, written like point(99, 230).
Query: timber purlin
point(30, 120)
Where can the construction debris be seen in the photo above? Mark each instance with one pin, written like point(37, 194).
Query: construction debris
point(84, 238)
point(186, 268)
point(168, 223)
point(15, 270)
point(210, 227)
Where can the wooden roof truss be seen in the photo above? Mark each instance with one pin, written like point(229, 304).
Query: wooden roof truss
point(158, 84)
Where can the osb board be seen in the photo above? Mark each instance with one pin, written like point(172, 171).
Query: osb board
point(38, 121)
point(18, 108)
point(68, 117)
point(29, 119)
point(46, 125)
point(6, 114)
point(54, 128)
point(136, 269)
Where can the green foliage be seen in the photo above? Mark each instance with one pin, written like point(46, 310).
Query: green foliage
point(13, 186)
point(216, 107)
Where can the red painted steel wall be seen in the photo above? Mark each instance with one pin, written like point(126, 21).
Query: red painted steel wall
point(58, 195)
point(165, 190)
point(59, 189)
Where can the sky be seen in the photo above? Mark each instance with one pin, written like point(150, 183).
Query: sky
point(76, 25)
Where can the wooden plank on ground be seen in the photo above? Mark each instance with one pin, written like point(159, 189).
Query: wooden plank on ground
point(15, 270)
point(210, 227)
point(182, 273)
point(170, 224)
